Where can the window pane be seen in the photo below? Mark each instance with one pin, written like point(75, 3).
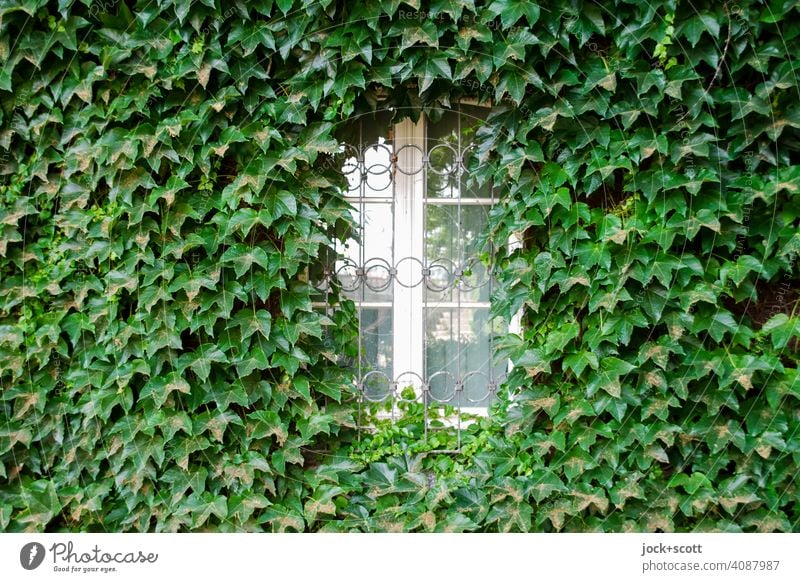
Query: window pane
point(444, 152)
point(348, 263)
point(377, 259)
point(375, 262)
point(441, 250)
point(450, 155)
point(376, 340)
point(471, 119)
point(375, 127)
point(376, 149)
point(458, 349)
point(378, 168)
point(475, 279)
point(352, 170)
point(451, 234)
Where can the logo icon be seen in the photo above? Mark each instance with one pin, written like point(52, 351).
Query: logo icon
point(31, 555)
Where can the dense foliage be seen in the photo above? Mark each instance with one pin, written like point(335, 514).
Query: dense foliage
point(167, 180)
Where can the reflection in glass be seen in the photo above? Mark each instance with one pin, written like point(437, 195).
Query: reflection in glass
point(451, 157)
point(451, 234)
point(376, 260)
point(378, 169)
point(376, 339)
point(457, 347)
point(444, 155)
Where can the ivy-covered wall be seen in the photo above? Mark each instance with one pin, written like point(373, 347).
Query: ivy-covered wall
point(166, 181)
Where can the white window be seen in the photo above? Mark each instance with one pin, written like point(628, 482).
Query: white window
point(414, 269)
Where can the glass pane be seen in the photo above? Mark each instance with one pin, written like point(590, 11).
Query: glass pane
point(378, 169)
point(375, 127)
point(366, 159)
point(475, 283)
point(347, 264)
point(471, 118)
point(451, 233)
point(377, 150)
point(451, 155)
point(470, 189)
point(376, 341)
point(377, 260)
point(441, 250)
point(458, 349)
point(376, 353)
point(444, 151)
point(352, 170)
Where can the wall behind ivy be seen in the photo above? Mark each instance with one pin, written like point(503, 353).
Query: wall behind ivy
point(168, 177)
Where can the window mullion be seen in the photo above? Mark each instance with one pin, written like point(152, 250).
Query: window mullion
point(409, 184)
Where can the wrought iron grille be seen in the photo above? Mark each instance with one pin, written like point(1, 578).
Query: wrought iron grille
point(414, 271)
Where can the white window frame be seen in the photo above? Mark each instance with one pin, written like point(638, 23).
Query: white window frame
point(408, 323)
point(408, 303)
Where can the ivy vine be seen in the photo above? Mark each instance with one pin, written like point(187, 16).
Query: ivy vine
point(166, 185)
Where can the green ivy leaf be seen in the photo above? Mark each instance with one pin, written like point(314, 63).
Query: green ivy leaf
point(542, 484)
point(432, 68)
point(690, 483)
point(781, 329)
point(159, 388)
point(200, 360)
point(41, 503)
point(510, 11)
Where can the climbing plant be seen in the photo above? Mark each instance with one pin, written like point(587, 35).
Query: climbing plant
point(169, 179)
